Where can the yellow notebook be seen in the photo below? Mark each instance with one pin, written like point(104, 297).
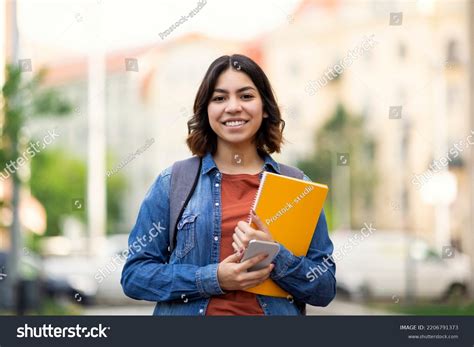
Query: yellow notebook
point(290, 208)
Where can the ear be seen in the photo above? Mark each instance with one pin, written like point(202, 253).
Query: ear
point(265, 115)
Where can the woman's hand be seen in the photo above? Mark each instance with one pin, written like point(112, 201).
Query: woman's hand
point(233, 275)
point(243, 233)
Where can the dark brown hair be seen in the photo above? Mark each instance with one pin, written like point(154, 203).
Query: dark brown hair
point(202, 139)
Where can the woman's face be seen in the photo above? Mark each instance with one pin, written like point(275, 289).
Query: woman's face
point(235, 109)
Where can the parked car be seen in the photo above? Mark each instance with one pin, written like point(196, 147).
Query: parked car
point(33, 284)
point(383, 264)
point(95, 279)
point(76, 272)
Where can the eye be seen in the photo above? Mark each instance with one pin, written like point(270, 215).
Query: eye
point(217, 98)
point(247, 96)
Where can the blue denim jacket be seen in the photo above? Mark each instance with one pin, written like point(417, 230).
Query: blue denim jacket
point(183, 282)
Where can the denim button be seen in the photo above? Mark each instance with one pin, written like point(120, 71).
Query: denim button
point(201, 310)
point(217, 184)
point(216, 238)
point(217, 204)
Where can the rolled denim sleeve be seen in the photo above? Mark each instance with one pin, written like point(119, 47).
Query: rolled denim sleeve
point(207, 282)
point(309, 278)
point(146, 274)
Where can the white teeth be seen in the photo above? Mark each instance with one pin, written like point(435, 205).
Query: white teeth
point(235, 123)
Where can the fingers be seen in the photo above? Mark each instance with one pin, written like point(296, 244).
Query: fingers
point(233, 258)
point(255, 278)
point(249, 232)
point(246, 233)
point(245, 228)
point(259, 274)
point(258, 222)
point(241, 239)
point(237, 241)
point(235, 247)
point(244, 266)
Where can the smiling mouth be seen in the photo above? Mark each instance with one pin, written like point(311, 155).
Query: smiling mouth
point(235, 123)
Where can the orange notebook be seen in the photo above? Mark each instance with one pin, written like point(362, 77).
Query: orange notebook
point(290, 208)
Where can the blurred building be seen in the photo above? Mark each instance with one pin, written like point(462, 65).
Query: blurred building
point(420, 65)
point(417, 63)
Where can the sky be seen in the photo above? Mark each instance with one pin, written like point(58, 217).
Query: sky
point(73, 25)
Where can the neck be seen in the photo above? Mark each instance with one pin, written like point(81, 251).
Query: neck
point(232, 159)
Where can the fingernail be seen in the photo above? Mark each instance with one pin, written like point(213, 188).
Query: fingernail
point(253, 212)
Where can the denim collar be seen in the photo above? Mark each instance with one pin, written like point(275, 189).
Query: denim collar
point(208, 164)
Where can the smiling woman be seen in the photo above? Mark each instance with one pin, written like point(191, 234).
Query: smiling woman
point(235, 93)
point(235, 127)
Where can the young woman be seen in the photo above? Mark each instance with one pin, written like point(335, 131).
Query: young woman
point(235, 127)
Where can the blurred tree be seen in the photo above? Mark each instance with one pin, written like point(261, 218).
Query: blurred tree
point(344, 133)
point(116, 187)
point(23, 99)
point(57, 178)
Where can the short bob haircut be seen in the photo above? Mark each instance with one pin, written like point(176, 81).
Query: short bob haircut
point(202, 139)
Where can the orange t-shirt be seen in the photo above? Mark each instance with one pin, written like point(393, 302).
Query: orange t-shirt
point(238, 193)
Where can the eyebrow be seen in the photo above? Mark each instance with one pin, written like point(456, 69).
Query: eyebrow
point(219, 90)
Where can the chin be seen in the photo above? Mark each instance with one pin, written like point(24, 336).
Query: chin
point(235, 141)
point(236, 136)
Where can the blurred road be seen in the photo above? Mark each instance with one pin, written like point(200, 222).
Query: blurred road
point(335, 308)
point(129, 310)
point(344, 308)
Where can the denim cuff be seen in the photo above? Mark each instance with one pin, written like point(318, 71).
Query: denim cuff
point(282, 262)
point(207, 282)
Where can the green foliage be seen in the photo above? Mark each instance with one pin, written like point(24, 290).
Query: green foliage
point(57, 179)
point(25, 99)
point(344, 133)
point(116, 185)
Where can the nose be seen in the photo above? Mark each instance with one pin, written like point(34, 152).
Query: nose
point(233, 106)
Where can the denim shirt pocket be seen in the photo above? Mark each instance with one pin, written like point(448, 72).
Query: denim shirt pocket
point(186, 235)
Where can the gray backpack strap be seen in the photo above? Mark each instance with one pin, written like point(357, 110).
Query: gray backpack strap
point(291, 171)
point(184, 178)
